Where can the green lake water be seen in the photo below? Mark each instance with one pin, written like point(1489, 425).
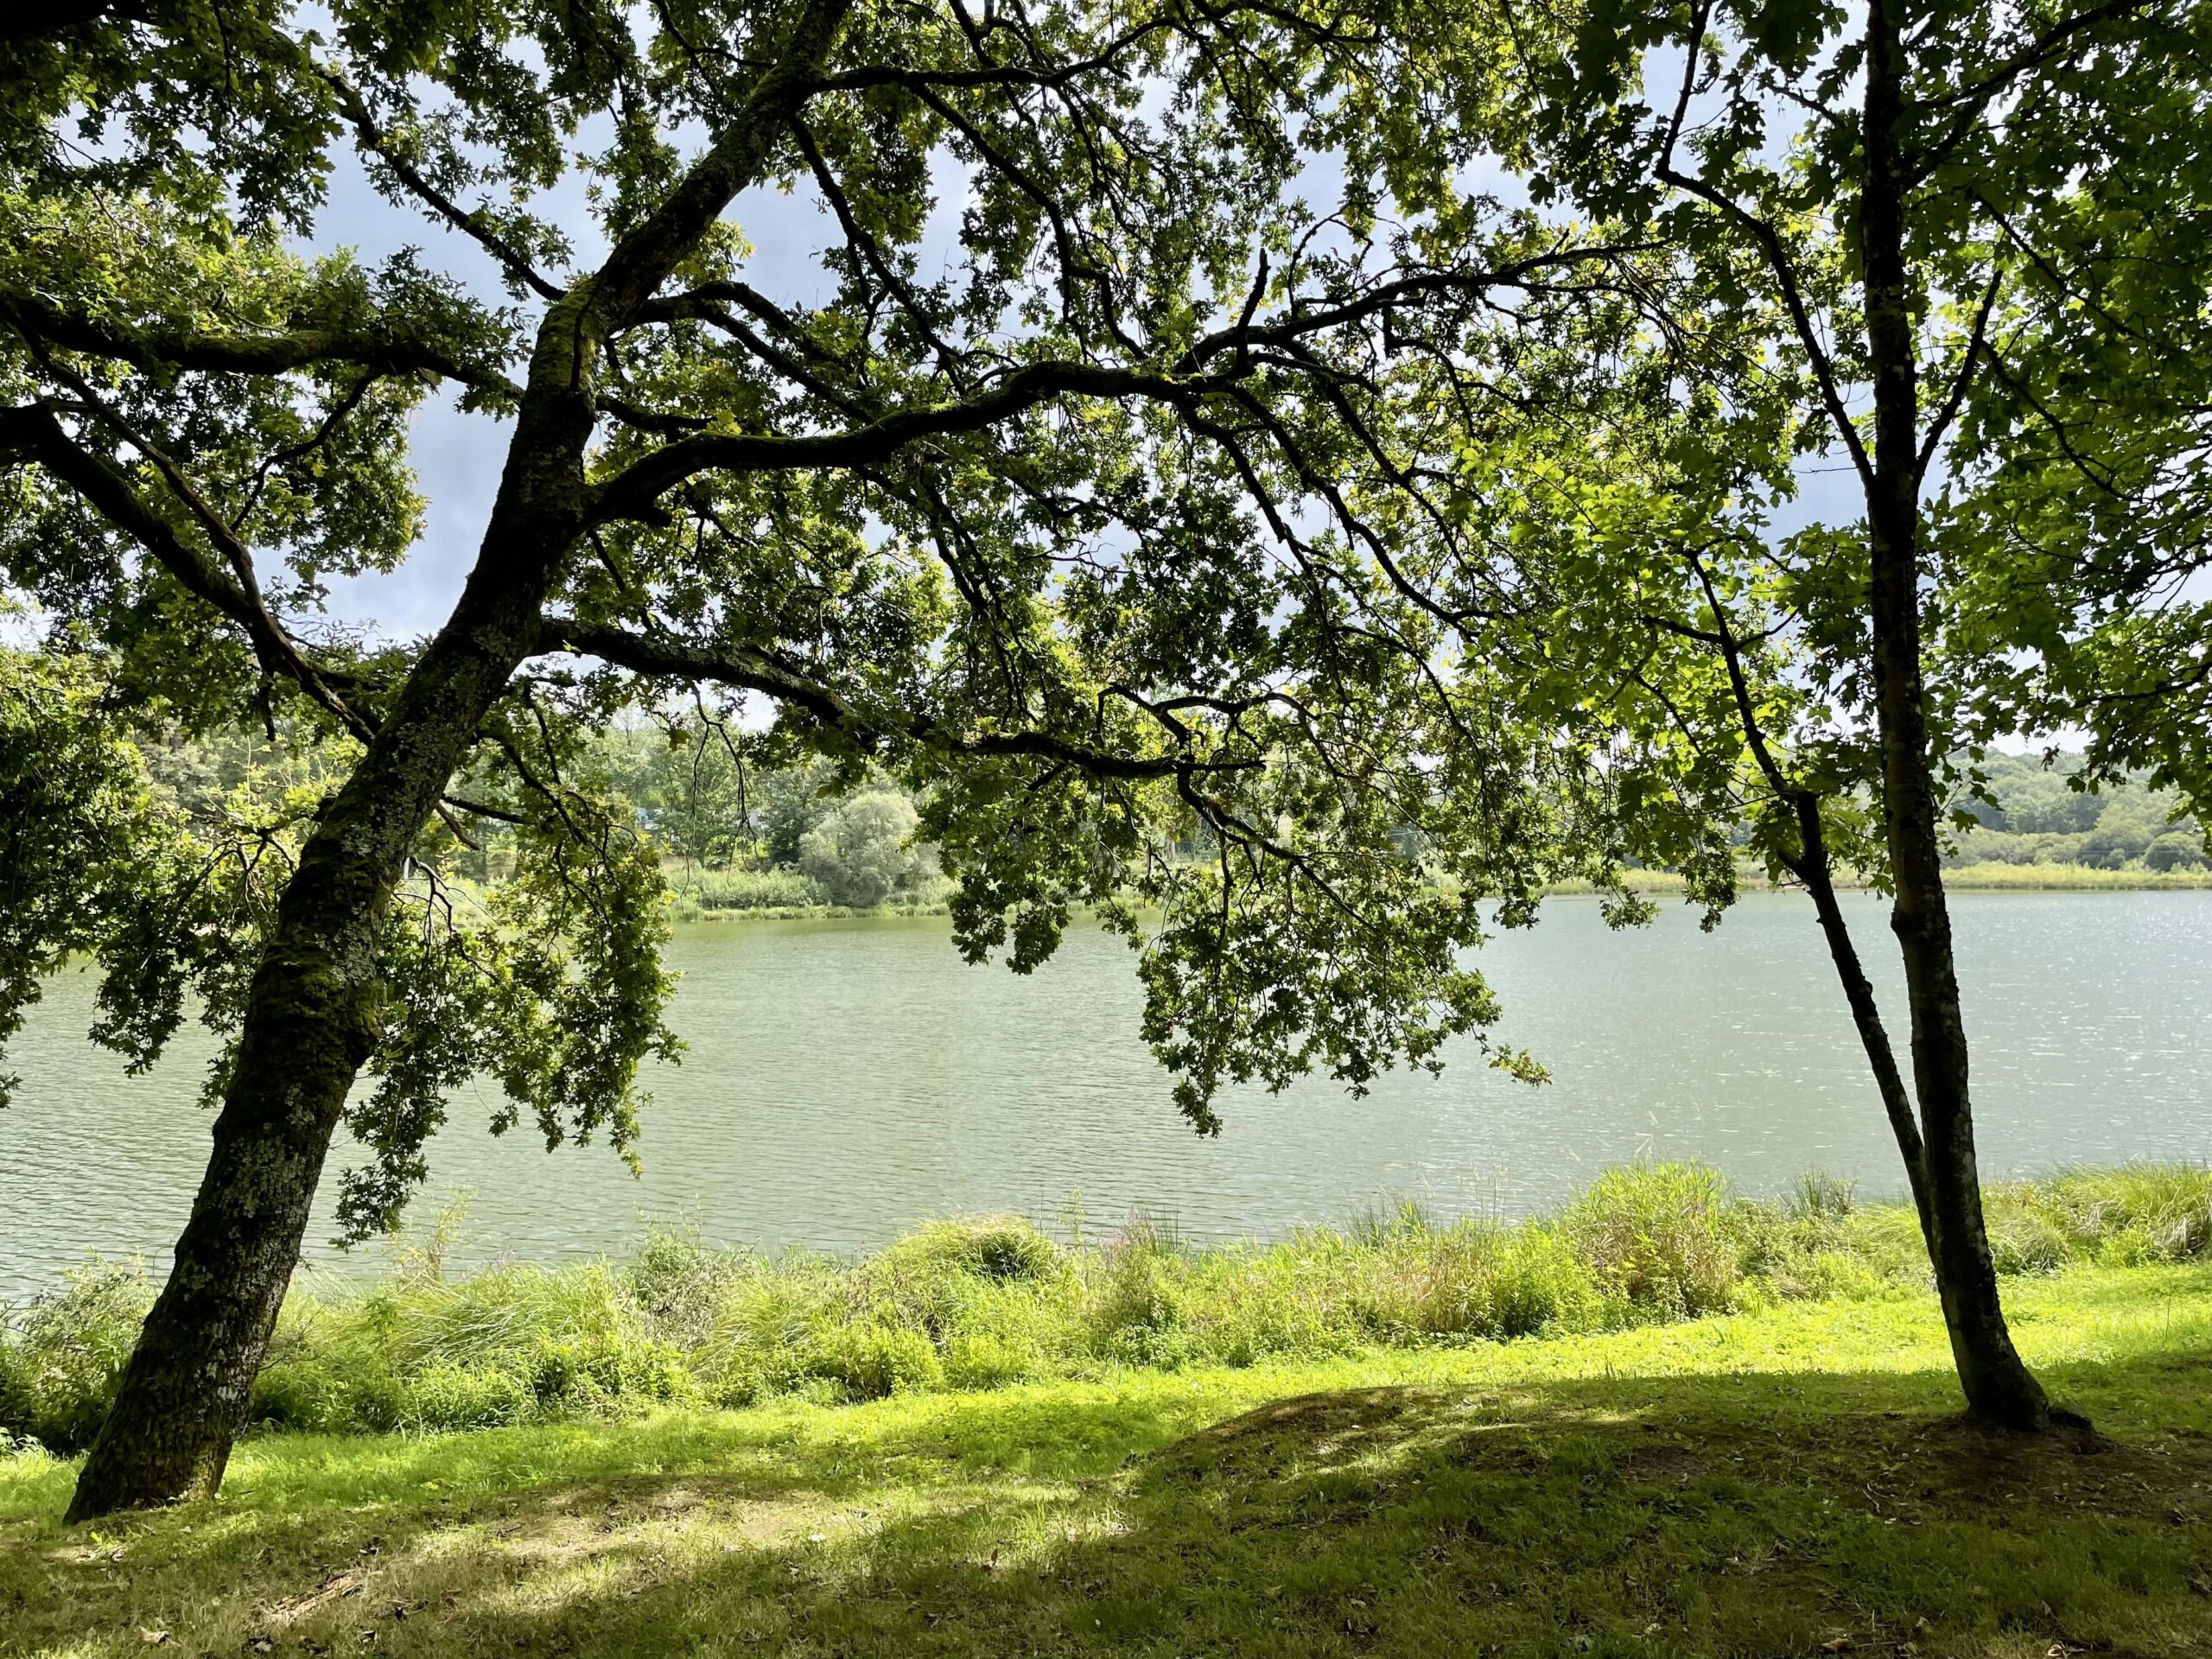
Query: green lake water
point(847, 1078)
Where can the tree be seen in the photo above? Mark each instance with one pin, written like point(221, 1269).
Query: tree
point(1844, 195)
point(863, 851)
point(1069, 496)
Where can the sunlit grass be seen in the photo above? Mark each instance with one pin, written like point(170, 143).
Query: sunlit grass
point(995, 1303)
point(1759, 1483)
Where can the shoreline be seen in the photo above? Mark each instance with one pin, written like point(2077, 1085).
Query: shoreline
point(1967, 878)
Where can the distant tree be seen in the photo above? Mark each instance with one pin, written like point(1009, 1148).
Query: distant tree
point(863, 851)
point(790, 801)
point(2176, 849)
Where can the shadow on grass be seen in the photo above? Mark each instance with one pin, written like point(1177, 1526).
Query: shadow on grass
point(1751, 1513)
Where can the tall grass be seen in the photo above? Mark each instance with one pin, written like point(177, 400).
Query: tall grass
point(982, 1303)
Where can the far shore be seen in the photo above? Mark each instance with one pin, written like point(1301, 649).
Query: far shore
point(1964, 878)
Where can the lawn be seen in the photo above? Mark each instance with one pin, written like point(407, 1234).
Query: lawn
point(1786, 1482)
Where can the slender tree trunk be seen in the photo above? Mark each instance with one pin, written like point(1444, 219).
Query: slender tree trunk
point(1999, 1387)
point(310, 1019)
point(1817, 871)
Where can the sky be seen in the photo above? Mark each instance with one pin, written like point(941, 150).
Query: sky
point(457, 456)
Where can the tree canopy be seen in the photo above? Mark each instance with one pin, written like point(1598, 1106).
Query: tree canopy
point(1089, 531)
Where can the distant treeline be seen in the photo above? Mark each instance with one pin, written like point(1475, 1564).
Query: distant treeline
point(737, 836)
point(2045, 815)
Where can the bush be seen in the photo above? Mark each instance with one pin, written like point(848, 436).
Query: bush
point(60, 1363)
point(1654, 1235)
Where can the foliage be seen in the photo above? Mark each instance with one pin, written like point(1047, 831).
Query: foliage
point(2070, 812)
point(991, 1302)
point(1770, 1482)
point(83, 849)
point(62, 1354)
point(863, 852)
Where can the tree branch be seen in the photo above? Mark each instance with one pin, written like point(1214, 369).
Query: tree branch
point(753, 669)
point(32, 432)
point(155, 348)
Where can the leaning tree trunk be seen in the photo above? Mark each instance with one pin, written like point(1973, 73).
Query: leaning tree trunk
point(1999, 1387)
point(309, 1022)
point(310, 1019)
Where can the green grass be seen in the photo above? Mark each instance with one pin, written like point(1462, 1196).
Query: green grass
point(1787, 1481)
point(1993, 877)
point(993, 1302)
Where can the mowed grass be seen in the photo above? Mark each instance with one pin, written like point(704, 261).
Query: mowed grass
point(1790, 1481)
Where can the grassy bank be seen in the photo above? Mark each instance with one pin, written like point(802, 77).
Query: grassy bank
point(1990, 877)
point(1785, 1482)
point(1985, 877)
point(970, 1306)
point(2026, 878)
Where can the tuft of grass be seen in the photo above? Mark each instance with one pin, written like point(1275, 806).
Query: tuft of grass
point(1792, 1480)
point(995, 1302)
point(62, 1354)
point(1654, 1236)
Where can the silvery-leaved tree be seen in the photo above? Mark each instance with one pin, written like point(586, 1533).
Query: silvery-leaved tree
point(1069, 489)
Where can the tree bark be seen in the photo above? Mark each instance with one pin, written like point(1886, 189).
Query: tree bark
point(1816, 870)
point(310, 1019)
point(1999, 1387)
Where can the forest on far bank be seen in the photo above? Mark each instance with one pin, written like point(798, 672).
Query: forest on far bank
point(742, 837)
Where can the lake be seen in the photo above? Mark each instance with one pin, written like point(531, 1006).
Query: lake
point(846, 1078)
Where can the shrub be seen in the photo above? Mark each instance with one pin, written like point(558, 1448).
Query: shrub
point(869, 1362)
point(60, 1367)
point(1654, 1235)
